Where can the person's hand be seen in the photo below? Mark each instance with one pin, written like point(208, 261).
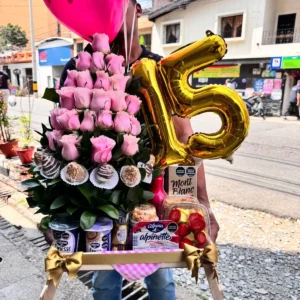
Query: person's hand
point(214, 226)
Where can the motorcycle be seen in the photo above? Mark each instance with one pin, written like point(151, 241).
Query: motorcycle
point(255, 105)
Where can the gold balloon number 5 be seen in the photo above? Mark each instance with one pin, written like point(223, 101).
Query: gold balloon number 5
point(167, 92)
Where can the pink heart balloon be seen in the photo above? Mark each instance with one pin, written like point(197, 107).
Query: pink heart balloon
point(86, 17)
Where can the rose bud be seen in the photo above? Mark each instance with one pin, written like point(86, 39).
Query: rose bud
point(97, 63)
point(130, 145)
point(122, 122)
point(52, 136)
point(104, 119)
point(101, 43)
point(118, 102)
point(102, 149)
point(133, 104)
point(114, 64)
point(88, 122)
point(69, 120)
point(84, 79)
point(69, 151)
point(66, 99)
point(100, 100)
point(118, 82)
point(83, 97)
point(102, 81)
point(135, 126)
point(83, 62)
point(71, 79)
point(54, 113)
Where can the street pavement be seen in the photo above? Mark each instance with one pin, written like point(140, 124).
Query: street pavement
point(266, 170)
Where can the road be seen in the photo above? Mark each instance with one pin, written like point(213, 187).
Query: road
point(266, 170)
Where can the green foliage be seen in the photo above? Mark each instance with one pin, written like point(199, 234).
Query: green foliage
point(5, 125)
point(51, 95)
point(12, 38)
point(26, 131)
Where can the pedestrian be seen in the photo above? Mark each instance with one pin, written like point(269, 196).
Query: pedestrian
point(108, 284)
point(230, 84)
point(5, 88)
point(294, 102)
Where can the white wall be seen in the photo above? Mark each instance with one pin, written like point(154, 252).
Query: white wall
point(260, 15)
point(22, 67)
point(42, 78)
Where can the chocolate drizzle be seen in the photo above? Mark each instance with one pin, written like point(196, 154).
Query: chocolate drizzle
point(50, 166)
point(105, 173)
point(149, 169)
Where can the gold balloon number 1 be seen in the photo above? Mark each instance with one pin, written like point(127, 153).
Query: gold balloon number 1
point(166, 92)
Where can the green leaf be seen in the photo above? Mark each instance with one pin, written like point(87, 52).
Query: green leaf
point(71, 209)
point(30, 183)
point(148, 195)
point(79, 203)
point(156, 173)
point(87, 220)
point(39, 133)
point(51, 95)
point(143, 156)
point(143, 173)
point(115, 197)
point(117, 154)
point(110, 210)
point(31, 202)
point(59, 202)
point(87, 190)
point(54, 181)
point(44, 223)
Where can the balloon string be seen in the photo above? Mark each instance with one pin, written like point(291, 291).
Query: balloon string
point(125, 31)
point(131, 35)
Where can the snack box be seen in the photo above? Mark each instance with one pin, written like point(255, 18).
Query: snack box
point(155, 235)
point(192, 219)
point(181, 180)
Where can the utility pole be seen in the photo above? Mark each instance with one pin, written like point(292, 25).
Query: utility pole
point(34, 71)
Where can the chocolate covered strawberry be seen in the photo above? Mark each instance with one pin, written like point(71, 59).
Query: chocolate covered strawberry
point(201, 239)
point(196, 222)
point(183, 229)
point(175, 215)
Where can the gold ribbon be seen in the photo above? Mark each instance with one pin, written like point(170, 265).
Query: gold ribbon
point(195, 257)
point(56, 264)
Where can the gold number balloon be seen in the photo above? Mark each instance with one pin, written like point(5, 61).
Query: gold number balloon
point(166, 90)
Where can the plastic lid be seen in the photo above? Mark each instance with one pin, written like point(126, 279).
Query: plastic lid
point(63, 224)
point(102, 224)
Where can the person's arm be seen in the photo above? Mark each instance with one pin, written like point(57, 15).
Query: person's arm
point(298, 98)
point(183, 131)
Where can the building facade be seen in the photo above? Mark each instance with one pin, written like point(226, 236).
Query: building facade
point(256, 32)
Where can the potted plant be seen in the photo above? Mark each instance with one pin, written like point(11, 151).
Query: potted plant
point(26, 151)
point(8, 146)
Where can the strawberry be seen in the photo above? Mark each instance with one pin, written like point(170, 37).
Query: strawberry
point(196, 222)
point(195, 216)
point(175, 215)
point(183, 229)
point(201, 238)
point(185, 241)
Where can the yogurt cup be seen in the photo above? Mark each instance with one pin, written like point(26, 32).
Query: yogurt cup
point(66, 235)
point(98, 237)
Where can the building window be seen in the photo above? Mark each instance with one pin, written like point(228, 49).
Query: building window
point(285, 29)
point(79, 47)
point(231, 26)
point(171, 33)
point(145, 40)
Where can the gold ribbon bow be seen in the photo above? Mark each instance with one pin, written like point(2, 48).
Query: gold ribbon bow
point(195, 257)
point(56, 264)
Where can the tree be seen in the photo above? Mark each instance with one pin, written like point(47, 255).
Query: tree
point(12, 38)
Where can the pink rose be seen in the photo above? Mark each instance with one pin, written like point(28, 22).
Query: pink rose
point(71, 79)
point(88, 122)
point(54, 113)
point(135, 126)
point(84, 79)
point(83, 97)
point(67, 97)
point(118, 102)
point(102, 81)
point(118, 82)
point(102, 148)
point(101, 100)
point(133, 104)
point(69, 120)
point(98, 63)
point(52, 136)
point(69, 151)
point(101, 43)
point(130, 145)
point(114, 64)
point(83, 62)
point(104, 119)
point(122, 122)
